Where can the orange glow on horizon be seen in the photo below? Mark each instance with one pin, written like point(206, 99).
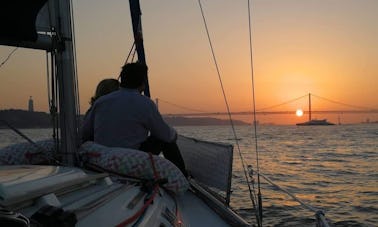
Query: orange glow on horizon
point(332, 55)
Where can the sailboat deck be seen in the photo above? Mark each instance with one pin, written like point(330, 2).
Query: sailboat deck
point(97, 201)
point(196, 213)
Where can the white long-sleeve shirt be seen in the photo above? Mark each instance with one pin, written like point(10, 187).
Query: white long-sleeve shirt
point(124, 118)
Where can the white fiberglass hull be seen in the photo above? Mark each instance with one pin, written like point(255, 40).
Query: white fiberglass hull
point(95, 200)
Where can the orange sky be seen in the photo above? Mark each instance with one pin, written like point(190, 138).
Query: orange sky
point(326, 47)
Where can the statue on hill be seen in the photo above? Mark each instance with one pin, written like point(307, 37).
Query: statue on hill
point(31, 105)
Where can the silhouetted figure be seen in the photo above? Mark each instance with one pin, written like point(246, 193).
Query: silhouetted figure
point(126, 118)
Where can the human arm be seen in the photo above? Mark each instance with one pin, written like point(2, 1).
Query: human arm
point(159, 128)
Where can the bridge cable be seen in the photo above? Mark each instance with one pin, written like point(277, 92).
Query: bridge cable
point(336, 102)
point(182, 107)
point(274, 106)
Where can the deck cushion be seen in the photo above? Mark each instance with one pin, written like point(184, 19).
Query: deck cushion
point(28, 154)
point(134, 163)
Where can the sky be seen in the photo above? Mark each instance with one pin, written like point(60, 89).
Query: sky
point(325, 47)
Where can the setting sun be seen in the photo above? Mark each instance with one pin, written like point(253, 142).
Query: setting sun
point(299, 113)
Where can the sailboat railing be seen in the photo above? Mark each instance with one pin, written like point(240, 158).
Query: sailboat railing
point(319, 214)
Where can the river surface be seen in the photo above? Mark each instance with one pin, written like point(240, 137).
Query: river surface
point(330, 168)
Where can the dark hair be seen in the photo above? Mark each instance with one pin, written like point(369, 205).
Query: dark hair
point(105, 87)
point(133, 75)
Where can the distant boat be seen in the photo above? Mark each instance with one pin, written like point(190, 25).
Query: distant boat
point(313, 121)
point(316, 122)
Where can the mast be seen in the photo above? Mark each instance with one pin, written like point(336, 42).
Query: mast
point(66, 77)
point(20, 30)
point(138, 37)
point(309, 106)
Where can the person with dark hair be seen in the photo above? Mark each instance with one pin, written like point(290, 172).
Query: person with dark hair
point(126, 118)
point(133, 76)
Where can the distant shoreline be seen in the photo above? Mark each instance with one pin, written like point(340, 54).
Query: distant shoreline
point(25, 120)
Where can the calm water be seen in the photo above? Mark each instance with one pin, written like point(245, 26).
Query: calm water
point(333, 168)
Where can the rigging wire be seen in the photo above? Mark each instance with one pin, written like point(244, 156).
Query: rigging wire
point(53, 115)
point(133, 57)
point(52, 84)
point(54, 100)
point(76, 83)
point(8, 57)
point(76, 79)
point(319, 213)
point(48, 78)
point(226, 102)
point(259, 213)
point(131, 51)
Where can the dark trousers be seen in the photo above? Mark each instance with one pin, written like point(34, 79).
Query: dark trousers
point(170, 151)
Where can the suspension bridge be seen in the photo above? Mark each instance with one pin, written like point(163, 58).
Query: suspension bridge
point(353, 109)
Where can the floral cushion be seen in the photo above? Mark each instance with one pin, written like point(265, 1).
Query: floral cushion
point(134, 163)
point(27, 153)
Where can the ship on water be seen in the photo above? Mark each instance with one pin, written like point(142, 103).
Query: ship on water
point(313, 121)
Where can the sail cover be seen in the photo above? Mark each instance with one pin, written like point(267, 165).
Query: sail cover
point(209, 163)
point(17, 18)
